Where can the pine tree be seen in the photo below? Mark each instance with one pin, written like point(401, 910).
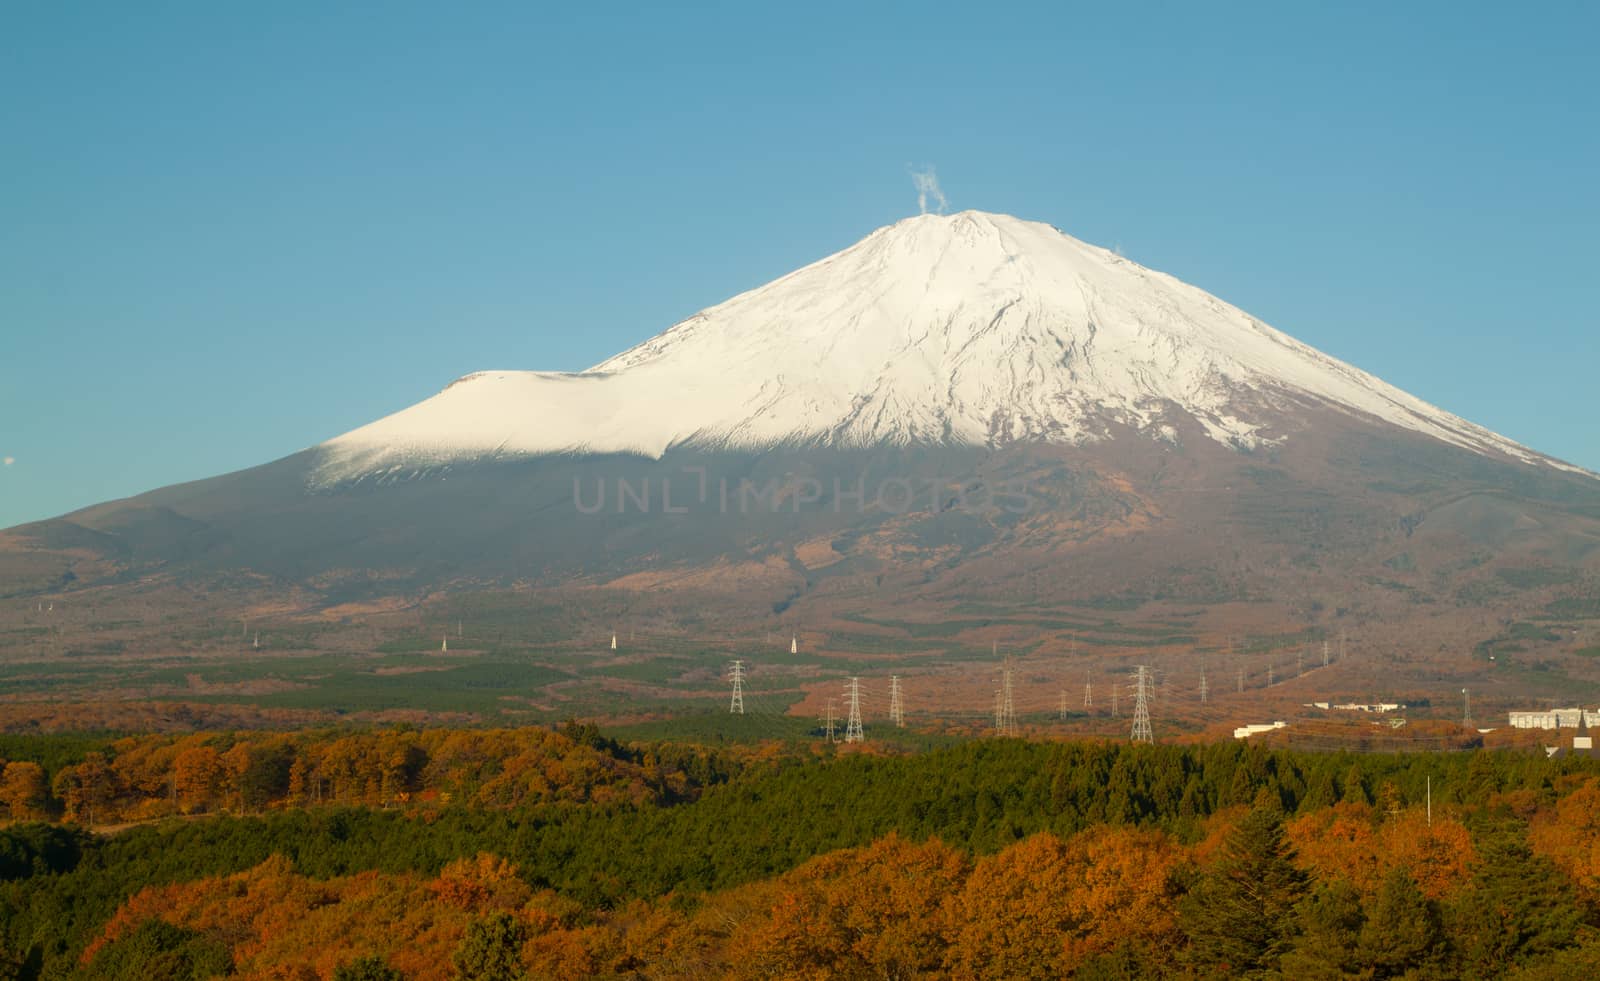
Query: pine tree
point(1329, 925)
point(1240, 917)
point(1403, 931)
point(491, 950)
point(369, 968)
point(1520, 907)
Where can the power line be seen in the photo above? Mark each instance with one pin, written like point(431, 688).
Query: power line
point(736, 675)
point(1141, 707)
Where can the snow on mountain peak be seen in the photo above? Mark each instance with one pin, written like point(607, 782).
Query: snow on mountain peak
point(971, 328)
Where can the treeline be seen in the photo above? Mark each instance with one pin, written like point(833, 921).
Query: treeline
point(145, 777)
point(595, 854)
point(1110, 902)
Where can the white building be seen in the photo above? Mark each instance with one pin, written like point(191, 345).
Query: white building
point(1245, 732)
point(1553, 719)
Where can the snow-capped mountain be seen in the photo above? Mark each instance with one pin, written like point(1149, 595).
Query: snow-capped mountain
point(971, 329)
point(975, 413)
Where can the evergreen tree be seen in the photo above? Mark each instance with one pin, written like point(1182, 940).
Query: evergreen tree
point(157, 949)
point(1329, 927)
point(369, 968)
point(1519, 907)
point(1402, 931)
point(1240, 917)
point(492, 950)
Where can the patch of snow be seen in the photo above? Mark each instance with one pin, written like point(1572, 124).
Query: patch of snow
point(972, 328)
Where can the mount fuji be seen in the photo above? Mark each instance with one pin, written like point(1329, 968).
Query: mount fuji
point(1173, 454)
point(972, 330)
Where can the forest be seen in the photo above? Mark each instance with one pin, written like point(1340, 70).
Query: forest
point(565, 853)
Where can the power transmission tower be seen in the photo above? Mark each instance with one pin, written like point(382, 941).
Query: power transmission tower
point(896, 712)
point(1269, 676)
point(1114, 712)
point(1141, 707)
point(828, 721)
point(1324, 653)
point(1204, 691)
point(852, 727)
point(1005, 713)
point(1088, 694)
point(736, 675)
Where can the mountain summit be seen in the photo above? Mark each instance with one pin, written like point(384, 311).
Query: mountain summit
point(971, 329)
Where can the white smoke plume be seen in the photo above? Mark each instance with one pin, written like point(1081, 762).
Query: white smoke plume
point(10, 460)
point(927, 183)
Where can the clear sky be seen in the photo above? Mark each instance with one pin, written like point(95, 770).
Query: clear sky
point(230, 231)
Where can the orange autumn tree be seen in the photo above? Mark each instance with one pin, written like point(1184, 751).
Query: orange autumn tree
point(1356, 843)
point(1039, 908)
point(1126, 891)
point(197, 778)
point(279, 924)
point(1570, 837)
point(864, 910)
point(24, 792)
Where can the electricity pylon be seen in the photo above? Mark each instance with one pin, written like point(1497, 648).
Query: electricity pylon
point(1088, 694)
point(896, 710)
point(1324, 653)
point(1204, 691)
point(852, 727)
point(1005, 713)
point(736, 675)
point(828, 721)
point(1141, 707)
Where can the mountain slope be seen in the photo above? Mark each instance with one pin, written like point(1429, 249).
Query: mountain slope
point(974, 329)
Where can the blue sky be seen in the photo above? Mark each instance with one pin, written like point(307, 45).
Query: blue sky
point(231, 231)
